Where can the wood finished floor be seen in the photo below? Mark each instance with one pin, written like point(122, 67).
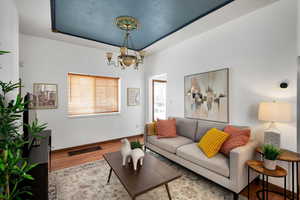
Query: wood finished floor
point(61, 159)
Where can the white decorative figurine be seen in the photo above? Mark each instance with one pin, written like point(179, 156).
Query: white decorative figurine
point(125, 151)
point(128, 154)
point(137, 155)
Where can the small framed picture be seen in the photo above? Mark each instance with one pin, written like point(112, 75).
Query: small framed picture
point(46, 96)
point(133, 96)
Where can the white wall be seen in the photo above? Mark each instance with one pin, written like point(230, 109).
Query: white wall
point(9, 41)
point(260, 49)
point(298, 34)
point(49, 61)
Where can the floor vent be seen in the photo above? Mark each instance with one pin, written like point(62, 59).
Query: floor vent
point(85, 150)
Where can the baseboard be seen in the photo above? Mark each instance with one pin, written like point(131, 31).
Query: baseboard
point(96, 143)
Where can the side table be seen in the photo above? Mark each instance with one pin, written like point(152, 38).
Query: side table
point(294, 159)
point(258, 167)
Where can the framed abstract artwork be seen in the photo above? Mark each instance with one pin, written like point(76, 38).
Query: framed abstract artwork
point(133, 96)
point(45, 96)
point(206, 96)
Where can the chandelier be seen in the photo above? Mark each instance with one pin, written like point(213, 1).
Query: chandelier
point(127, 57)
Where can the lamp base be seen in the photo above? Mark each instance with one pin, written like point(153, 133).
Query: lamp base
point(272, 137)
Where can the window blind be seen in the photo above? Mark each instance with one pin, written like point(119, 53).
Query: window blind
point(92, 94)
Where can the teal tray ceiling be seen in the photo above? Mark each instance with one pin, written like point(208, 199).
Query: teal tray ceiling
point(95, 19)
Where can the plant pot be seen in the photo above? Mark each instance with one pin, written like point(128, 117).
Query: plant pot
point(270, 164)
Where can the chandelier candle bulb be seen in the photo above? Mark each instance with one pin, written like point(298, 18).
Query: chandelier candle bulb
point(109, 56)
point(123, 51)
point(142, 54)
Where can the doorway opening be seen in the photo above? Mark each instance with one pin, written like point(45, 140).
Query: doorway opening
point(159, 102)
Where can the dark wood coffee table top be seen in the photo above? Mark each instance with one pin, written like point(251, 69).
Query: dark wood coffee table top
point(152, 174)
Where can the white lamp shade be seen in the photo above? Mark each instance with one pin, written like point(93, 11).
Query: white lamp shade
point(275, 111)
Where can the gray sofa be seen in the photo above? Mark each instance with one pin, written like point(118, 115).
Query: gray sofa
point(230, 173)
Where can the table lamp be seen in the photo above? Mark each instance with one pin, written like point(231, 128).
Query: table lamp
point(274, 112)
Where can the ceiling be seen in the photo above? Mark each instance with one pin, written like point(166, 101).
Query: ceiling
point(163, 23)
point(94, 19)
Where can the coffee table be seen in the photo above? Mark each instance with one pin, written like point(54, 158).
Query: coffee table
point(152, 174)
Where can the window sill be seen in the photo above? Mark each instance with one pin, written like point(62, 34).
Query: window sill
point(93, 115)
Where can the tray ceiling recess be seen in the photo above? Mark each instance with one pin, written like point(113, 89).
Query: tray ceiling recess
point(95, 19)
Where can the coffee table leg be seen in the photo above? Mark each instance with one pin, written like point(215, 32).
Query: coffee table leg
point(285, 188)
point(297, 178)
point(169, 195)
point(293, 177)
point(263, 193)
point(248, 182)
point(110, 171)
point(267, 187)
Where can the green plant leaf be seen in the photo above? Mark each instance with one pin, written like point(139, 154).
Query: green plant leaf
point(27, 176)
point(14, 167)
point(135, 145)
point(271, 152)
point(4, 52)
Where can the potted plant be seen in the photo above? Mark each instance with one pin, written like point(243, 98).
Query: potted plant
point(14, 167)
point(136, 144)
point(270, 155)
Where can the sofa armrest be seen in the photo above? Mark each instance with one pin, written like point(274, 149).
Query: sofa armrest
point(237, 164)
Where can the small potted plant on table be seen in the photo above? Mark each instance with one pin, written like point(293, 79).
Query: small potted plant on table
point(271, 153)
point(136, 144)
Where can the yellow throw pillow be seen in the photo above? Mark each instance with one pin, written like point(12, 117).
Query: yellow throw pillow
point(152, 128)
point(212, 141)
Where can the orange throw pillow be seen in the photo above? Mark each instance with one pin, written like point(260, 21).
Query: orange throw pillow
point(166, 128)
point(237, 137)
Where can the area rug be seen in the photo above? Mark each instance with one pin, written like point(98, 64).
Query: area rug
point(88, 182)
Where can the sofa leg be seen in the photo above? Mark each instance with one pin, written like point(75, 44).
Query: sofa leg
point(145, 148)
point(235, 196)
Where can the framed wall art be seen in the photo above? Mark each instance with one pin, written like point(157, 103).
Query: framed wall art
point(133, 96)
point(206, 96)
point(46, 96)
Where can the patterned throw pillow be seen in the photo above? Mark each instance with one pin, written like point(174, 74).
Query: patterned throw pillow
point(212, 141)
point(237, 137)
point(152, 128)
point(166, 128)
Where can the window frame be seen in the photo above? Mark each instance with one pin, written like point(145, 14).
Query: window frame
point(106, 113)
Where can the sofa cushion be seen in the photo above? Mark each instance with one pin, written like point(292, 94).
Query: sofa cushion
point(204, 126)
point(151, 128)
point(166, 128)
point(169, 144)
point(186, 127)
point(237, 137)
point(218, 164)
point(212, 141)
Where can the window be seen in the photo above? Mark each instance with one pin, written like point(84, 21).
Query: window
point(92, 94)
point(159, 103)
